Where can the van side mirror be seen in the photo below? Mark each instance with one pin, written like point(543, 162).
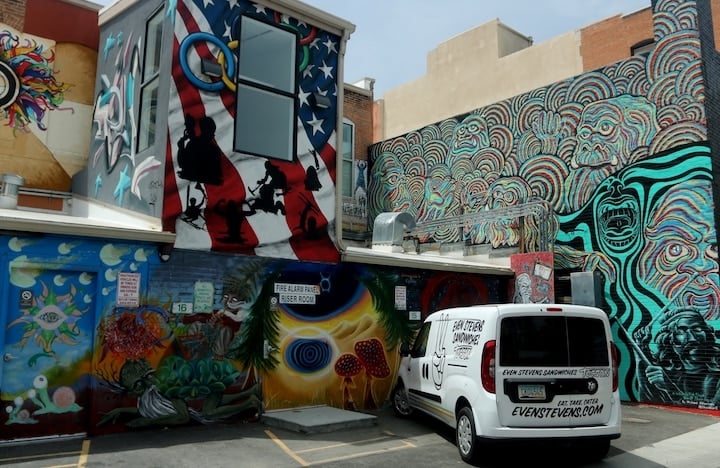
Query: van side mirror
point(405, 349)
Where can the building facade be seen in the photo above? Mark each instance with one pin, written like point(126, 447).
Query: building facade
point(626, 156)
point(193, 271)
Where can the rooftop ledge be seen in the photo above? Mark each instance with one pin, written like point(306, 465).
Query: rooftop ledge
point(426, 261)
point(88, 219)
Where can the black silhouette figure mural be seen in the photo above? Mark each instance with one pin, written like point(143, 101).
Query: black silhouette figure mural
point(272, 187)
point(234, 215)
point(199, 156)
point(194, 211)
point(200, 161)
point(308, 222)
point(312, 181)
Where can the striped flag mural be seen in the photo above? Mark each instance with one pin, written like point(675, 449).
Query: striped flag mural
point(221, 200)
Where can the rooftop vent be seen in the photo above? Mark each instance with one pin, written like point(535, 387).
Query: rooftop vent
point(9, 184)
point(389, 230)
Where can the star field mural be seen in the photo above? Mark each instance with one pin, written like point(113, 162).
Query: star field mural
point(620, 155)
point(218, 198)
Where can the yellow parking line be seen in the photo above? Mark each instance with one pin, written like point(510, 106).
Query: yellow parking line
point(364, 454)
point(286, 449)
point(38, 456)
point(82, 461)
point(342, 444)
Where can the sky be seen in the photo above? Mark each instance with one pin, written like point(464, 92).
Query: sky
point(393, 37)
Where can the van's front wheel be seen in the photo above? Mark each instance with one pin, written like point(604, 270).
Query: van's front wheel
point(401, 405)
point(465, 435)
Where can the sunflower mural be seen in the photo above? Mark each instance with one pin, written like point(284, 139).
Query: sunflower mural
point(28, 87)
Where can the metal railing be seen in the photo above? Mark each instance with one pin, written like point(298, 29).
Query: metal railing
point(530, 227)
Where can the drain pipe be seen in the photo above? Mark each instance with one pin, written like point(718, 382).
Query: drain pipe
point(338, 142)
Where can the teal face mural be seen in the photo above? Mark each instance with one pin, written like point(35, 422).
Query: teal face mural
point(620, 155)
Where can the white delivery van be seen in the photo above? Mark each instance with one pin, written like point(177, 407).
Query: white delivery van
point(515, 372)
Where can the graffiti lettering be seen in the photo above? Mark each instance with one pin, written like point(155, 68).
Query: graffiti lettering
point(463, 352)
point(595, 372)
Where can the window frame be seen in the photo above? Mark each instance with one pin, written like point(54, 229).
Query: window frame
point(643, 47)
point(147, 81)
point(253, 85)
point(347, 186)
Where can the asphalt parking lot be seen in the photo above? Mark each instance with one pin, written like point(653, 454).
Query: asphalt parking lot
point(652, 438)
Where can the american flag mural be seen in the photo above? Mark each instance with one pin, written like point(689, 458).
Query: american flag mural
point(227, 204)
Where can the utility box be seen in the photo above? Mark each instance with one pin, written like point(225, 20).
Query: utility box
point(586, 288)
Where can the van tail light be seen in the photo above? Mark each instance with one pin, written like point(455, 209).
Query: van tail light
point(615, 352)
point(487, 371)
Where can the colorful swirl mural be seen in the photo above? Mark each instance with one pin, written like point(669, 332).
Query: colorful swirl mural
point(619, 154)
point(30, 88)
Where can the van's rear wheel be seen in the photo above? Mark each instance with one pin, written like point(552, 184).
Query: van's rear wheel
point(465, 435)
point(401, 405)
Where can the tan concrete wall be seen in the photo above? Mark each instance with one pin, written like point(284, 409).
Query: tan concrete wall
point(466, 72)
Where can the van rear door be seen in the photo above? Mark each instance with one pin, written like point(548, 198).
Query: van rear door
point(554, 369)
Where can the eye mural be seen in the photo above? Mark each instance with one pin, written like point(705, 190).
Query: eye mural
point(50, 319)
point(620, 155)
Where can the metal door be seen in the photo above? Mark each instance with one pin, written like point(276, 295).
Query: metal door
point(48, 324)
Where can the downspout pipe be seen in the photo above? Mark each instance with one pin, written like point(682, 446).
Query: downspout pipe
point(339, 139)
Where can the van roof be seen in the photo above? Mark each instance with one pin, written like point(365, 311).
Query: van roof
point(481, 311)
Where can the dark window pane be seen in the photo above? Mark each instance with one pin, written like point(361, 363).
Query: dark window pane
point(267, 55)
point(264, 123)
point(552, 341)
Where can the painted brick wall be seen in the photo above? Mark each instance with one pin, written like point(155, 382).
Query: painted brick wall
point(12, 13)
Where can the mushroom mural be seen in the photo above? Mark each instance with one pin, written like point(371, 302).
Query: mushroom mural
point(348, 366)
point(371, 354)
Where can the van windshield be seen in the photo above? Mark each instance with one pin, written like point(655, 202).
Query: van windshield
point(557, 341)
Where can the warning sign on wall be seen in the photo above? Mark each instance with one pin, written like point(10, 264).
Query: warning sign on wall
point(128, 289)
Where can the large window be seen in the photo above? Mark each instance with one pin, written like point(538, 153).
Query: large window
point(348, 151)
point(266, 91)
point(553, 341)
point(150, 81)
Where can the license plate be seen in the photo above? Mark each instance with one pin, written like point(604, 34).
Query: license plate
point(531, 392)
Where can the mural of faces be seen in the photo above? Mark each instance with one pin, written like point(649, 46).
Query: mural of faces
point(610, 130)
point(681, 253)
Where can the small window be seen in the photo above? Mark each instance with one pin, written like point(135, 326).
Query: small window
point(419, 347)
point(150, 82)
point(266, 92)
point(348, 155)
point(642, 47)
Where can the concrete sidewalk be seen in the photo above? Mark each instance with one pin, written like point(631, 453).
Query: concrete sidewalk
point(696, 449)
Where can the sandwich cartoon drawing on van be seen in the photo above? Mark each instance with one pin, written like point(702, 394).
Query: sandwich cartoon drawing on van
point(515, 372)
